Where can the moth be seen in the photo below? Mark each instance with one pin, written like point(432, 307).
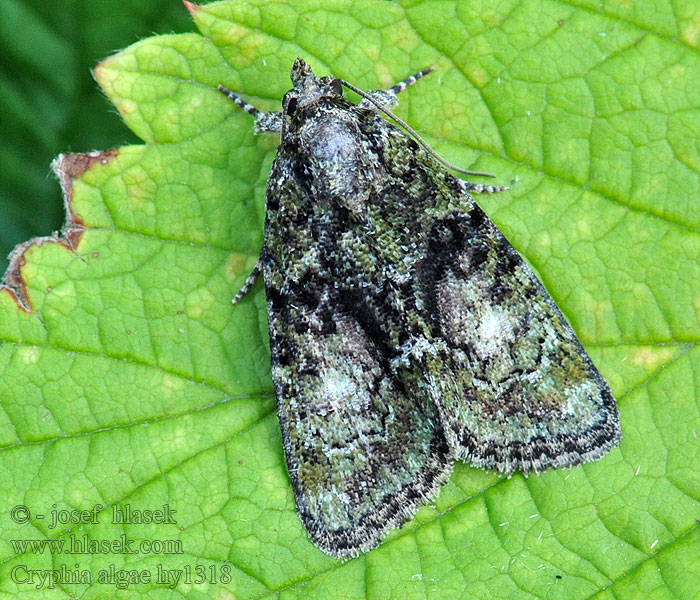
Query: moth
point(405, 330)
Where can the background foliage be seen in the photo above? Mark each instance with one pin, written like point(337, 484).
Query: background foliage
point(51, 103)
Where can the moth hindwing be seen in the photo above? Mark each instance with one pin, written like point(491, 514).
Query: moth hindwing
point(405, 330)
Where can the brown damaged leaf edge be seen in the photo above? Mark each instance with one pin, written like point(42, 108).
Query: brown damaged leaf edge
point(68, 168)
point(190, 6)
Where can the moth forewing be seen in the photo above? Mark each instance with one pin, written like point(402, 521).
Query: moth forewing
point(405, 330)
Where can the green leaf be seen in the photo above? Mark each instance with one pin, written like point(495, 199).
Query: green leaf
point(129, 378)
point(49, 98)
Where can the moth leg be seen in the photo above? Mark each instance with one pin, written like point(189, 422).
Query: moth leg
point(264, 121)
point(249, 281)
point(389, 98)
point(478, 188)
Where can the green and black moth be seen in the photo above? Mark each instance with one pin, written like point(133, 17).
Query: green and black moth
point(405, 330)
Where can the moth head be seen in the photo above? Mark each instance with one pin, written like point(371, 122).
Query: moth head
point(308, 89)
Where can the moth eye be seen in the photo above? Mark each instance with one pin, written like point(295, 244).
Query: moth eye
point(291, 106)
point(337, 87)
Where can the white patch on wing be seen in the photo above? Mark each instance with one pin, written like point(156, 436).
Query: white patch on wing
point(494, 333)
point(346, 380)
point(337, 388)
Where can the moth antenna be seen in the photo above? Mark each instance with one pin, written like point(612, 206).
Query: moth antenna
point(413, 132)
point(249, 108)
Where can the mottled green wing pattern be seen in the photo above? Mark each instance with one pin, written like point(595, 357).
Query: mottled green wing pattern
point(344, 420)
point(363, 451)
point(521, 394)
point(405, 330)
